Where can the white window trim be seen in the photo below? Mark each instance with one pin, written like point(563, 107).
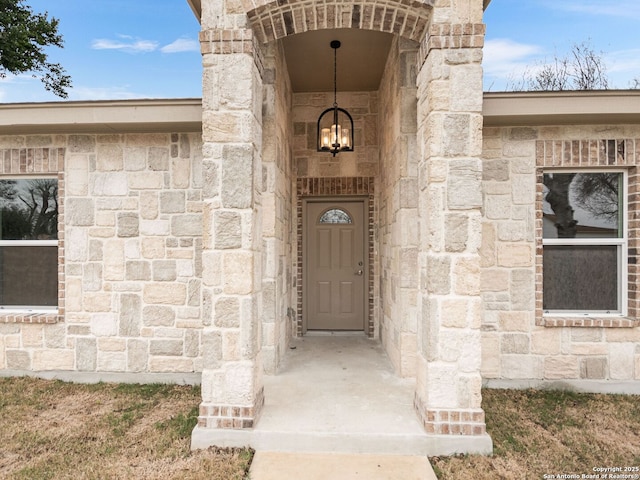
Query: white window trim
point(623, 249)
point(29, 309)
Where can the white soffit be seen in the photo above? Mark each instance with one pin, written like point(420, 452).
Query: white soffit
point(122, 116)
point(602, 107)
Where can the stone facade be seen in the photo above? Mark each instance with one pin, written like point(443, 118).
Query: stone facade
point(520, 344)
point(130, 255)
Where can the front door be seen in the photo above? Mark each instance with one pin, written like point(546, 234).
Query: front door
point(334, 264)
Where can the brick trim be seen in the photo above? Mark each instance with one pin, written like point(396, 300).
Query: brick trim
point(450, 421)
point(274, 20)
point(40, 161)
point(231, 417)
point(336, 187)
point(592, 153)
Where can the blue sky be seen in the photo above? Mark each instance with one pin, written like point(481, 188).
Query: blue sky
point(522, 33)
point(117, 49)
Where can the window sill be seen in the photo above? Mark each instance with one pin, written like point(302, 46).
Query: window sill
point(16, 316)
point(606, 322)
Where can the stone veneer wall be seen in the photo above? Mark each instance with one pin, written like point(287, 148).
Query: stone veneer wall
point(278, 301)
point(398, 193)
point(130, 257)
point(519, 344)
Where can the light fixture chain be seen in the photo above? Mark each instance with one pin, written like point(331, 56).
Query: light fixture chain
point(335, 76)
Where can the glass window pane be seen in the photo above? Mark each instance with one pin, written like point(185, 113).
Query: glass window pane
point(29, 276)
point(582, 205)
point(29, 209)
point(580, 278)
point(335, 215)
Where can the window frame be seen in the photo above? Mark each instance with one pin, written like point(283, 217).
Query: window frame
point(622, 244)
point(46, 309)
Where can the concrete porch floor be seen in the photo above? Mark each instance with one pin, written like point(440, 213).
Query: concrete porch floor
point(338, 393)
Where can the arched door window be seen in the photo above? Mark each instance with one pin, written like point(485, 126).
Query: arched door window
point(335, 215)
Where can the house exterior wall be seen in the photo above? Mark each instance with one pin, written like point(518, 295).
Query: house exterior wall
point(130, 246)
point(398, 232)
point(521, 345)
point(278, 284)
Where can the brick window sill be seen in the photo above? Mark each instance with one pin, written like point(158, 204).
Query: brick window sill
point(606, 322)
point(30, 317)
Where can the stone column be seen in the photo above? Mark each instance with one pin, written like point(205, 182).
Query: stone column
point(449, 307)
point(232, 392)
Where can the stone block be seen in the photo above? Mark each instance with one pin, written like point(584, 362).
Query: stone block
point(522, 290)
point(137, 270)
point(158, 316)
point(112, 184)
point(488, 246)
point(172, 202)
point(110, 158)
point(467, 276)
point(54, 359)
point(128, 225)
point(86, 352)
point(593, 368)
point(130, 315)
point(559, 367)
point(494, 280)
point(227, 230)
point(517, 343)
point(146, 180)
point(187, 225)
point(113, 262)
point(92, 277)
point(454, 312)
point(32, 336)
point(149, 205)
point(237, 272)
point(166, 347)
point(515, 255)
point(104, 324)
point(137, 355)
point(135, 158)
point(82, 143)
point(438, 275)
point(76, 244)
point(456, 232)
point(97, 302)
point(165, 293)
point(55, 336)
point(490, 365)
point(164, 270)
point(464, 189)
point(621, 361)
point(112, 344)
point(496, 170)
point(520, 367)
point(237, 176)
point(515, 321)
point(79, 212)
point(18, 360)
point(227, 312)
point(158, 159)
point(112, 361)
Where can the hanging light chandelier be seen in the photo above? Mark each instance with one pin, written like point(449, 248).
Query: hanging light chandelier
point(335, 125)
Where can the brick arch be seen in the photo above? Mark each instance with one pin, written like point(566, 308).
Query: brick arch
point(280, 18)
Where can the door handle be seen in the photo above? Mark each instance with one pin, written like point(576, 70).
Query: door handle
point(359, 272)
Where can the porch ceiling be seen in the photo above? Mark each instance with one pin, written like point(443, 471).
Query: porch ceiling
point(361, 59)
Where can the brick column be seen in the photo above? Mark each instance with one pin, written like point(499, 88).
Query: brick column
point(232, 392)
point(450, 171)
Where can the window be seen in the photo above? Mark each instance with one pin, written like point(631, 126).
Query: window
point(29, 243)
point(335, 215)
point(584, 260)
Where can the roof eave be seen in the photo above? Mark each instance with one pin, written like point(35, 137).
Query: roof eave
point(114, 116)
point(602, 107)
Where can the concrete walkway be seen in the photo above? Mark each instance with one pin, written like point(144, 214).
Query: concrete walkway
point(308, 466)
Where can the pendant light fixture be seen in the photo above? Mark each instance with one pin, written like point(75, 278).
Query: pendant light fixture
point(335, 125)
